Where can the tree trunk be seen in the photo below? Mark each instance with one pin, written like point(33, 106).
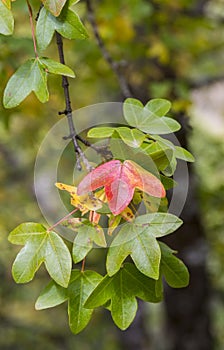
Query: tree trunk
point(188, 321)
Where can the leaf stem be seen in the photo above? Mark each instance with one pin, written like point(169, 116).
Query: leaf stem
point(68, 110)
point(61, 220)
point(83, 265)
point(32, 28)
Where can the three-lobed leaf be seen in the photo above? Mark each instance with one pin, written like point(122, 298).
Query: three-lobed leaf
point(32, 76)
point(120, 180)
point(138, 240)
point(81, 285)
point(122, 290)
point(141, 245)
point(150, 119)
point(40, 246)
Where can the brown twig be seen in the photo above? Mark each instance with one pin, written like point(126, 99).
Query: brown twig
point(32, 28)
point(68, 111)
point(113, 64)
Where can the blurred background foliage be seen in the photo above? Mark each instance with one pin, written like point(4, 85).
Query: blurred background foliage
point(170, 48)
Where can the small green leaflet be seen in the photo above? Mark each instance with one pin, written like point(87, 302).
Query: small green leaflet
point(179, 152)
point(54, 6)
point(158, 106)
point(55, 67)
point(101, 132)
point(122, 289)
point(160, 156)
point(68, 24)
point(81, 285)
point(183, 154)
point(6, 18)
point(32, 76)
point(40, 246)
point(173, 269)
point(170, 169)
point(51, 296)
point(150, 119)
point(83, 242)
point(138, 239)
point(132, 137)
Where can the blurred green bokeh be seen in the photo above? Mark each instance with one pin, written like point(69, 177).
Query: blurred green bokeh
point(168, 48)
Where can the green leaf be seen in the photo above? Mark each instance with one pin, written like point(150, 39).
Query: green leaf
point(181, 153)
point(122, 289)
point(132, 137)
point(168, 182)
point(138, 242)
point(158, 106)
point(174, 270)
point(29, 77)
point(170, 169)
point(150, 119)
point(6, 18)
point(163, 143)
point(68, 24)
point(45, 29)
point(132, 109)
point(51, 296)
point(54, 67)
point(83, 242)
point(101, 132)
point(160, 156)
point(54, 6)
point(138, 239)
point(160, 224)
point(80, 287)
point(40, 246)
point(155, 125)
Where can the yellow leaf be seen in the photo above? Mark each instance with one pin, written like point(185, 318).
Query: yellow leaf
point(127, 214)
point(85, 202)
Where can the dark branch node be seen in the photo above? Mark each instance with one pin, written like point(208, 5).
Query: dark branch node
point(65, 112)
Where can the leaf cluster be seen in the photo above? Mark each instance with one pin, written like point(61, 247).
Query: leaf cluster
point(136, 260)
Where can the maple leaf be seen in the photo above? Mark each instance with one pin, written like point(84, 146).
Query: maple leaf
point(120, 180)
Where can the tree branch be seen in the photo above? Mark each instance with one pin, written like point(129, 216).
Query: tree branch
point(68, 110)
point(113, 64)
